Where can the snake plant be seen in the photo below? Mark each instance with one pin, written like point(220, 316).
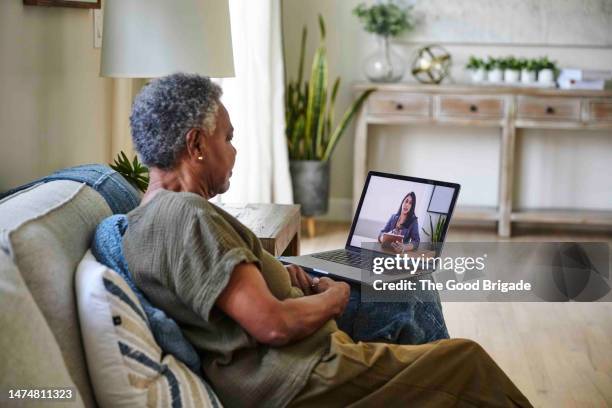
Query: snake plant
point(436, 231)
point(309, 109)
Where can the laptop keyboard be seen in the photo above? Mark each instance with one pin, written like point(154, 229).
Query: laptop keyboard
point(341, 256)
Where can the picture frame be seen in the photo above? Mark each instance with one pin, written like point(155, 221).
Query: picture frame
point(87, 4)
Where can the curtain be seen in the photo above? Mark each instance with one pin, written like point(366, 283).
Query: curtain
point(254, 99)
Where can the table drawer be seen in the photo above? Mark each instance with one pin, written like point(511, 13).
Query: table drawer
point(488, 107)
point(399, 104)
point(600, 110)
point(548, 108)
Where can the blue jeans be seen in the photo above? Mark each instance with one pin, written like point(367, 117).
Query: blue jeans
point(417, 321)
point(120, 195)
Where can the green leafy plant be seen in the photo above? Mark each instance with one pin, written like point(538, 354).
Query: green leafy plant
point(309, 109)
point(435, 231)
point(134, 172)
point(545, 63)
point(475, 63)
point(512, 63)
point(385, 19)
point(491, 63)
point(532, 65)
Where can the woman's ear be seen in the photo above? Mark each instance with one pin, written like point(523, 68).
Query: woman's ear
point(194, 141)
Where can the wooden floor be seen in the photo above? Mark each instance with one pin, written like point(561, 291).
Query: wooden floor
point(558, 354)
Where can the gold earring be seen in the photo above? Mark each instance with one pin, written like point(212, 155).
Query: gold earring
point(200, 158)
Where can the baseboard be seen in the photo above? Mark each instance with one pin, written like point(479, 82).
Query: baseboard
point(340, 209)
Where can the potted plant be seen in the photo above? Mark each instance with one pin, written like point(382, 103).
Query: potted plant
point(385, 20)
point(311, 136)
point(529, 71)
point(547, 71)
point(512, 70)
point(476, 66)
point(435, 232)
point(495, 71)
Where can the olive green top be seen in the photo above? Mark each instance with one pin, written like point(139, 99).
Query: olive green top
point(181, 251)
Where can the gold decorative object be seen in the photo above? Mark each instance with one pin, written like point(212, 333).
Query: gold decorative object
point(431, 64)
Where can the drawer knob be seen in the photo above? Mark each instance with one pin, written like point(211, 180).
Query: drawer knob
point(399, 106)
point(473, 108)
point(550, 110)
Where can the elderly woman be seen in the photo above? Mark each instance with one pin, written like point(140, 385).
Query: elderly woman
point(266, 334)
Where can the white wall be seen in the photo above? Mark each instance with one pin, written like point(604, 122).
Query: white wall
point(385, 196)
point(560, 169)
point(54, 109)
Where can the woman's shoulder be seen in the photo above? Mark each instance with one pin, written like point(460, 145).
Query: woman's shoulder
point(177, 202)
point(169, 208)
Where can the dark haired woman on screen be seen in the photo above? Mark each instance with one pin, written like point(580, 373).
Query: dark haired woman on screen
point(403, 223)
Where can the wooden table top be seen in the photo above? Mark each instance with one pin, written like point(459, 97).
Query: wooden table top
point(479, 88)
point(276, 225)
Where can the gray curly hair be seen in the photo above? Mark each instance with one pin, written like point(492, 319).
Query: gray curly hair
point(165, 109)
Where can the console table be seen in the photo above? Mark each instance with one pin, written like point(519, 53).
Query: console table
point(277, 226)
point(503, 107)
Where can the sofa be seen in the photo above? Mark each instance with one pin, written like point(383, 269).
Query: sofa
point(45, 230)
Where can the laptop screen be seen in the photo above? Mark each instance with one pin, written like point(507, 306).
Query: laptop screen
point(397, 210)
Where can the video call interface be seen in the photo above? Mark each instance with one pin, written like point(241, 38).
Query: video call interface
point(402, 215)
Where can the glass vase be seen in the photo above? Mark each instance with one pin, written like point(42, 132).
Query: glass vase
point(384, 65)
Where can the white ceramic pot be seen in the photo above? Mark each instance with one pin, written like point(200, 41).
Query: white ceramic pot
point(511, 76)
point(478, 75)
point(528, 77)
point(546, 76)
point(495, 75)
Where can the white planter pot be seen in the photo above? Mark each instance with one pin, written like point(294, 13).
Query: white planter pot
point(528, 77)
point(511, 76)
point(495, 75)
point(546, 76)
point(478, 75)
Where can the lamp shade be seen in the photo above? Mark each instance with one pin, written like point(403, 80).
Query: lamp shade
point(154, 38)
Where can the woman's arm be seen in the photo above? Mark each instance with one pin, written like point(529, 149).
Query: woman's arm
point(415, 237)
point(388, 227)
point(248, 301)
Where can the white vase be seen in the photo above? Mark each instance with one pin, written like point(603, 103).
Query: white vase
point(528, 77)
point(495, 75)
point(511, 76)
point(546, 76)
point(478, 75)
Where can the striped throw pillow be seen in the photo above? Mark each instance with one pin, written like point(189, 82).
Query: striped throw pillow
point(126, 366)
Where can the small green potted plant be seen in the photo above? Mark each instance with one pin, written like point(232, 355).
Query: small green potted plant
point(529, 71)
point(495, 69)
point(476, 66)
point(385, 20)
point(512, 70)
point(435, 231)
point(547, 72)
point(309, 130)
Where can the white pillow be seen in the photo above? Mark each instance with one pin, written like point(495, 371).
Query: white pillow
point(124, 361)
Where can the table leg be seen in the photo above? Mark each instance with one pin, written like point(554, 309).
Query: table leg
point(310, 226)
point(293, 249)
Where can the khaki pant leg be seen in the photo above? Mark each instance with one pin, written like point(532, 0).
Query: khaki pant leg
point(453, 372)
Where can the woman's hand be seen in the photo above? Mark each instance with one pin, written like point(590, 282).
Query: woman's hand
point(248, 300)
point(300, 279)
point(400, 248)
point(342, 291)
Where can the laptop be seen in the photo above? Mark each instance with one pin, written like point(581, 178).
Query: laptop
point(396, 215)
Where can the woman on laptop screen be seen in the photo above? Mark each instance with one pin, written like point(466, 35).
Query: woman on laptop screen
point(401, 233)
